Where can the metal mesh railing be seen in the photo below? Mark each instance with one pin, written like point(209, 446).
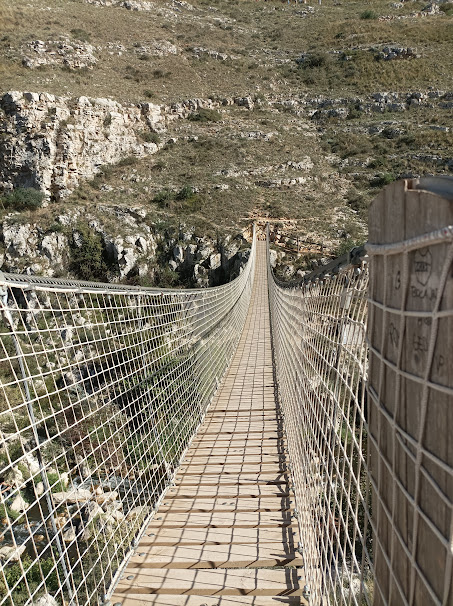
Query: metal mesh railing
point(319, 330)
point(102, 389)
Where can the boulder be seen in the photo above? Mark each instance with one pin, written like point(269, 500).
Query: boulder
point(90, 511)
point(273, 257)
point(76, 495)
point(45, 600)
point(19, 504)
point(178, 254)
point(39, 489)
point(136, 512)
point(11, 553)
point(106, 497)
point(14, 478)
point(215, 261)
point(69, 535)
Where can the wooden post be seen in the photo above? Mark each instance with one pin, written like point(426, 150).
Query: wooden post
point(410, 389)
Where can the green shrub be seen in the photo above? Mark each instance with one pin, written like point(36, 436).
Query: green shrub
point(89, 261)
point(160, 165)
point(80, 34)
point(166, 277)
point(148, 93)
point(159, 73)
point(368, 14)
point(150, 137)
point(447, 8)
point(357, 202)
point(127, 161)
point(382, 180)
point(205, 115)
point(55, 483)
point(163, 198)
point(6, 512)
point(346, 246)
point(188, 199)
point(23, 198)
point(108, 119)
point(185, 193)
point(316, 60)
point(13, 574)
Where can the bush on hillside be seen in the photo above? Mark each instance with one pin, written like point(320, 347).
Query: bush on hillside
point(23, 198)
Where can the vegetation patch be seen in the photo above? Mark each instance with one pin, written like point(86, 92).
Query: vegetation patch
point(205, 115)
point(23, 198)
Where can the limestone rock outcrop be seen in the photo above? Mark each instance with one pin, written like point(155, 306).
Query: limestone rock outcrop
point(53, 143)
point(138, 249)
point(67, 53)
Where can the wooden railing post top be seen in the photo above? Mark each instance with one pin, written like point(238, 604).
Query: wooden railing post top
point(410, 202)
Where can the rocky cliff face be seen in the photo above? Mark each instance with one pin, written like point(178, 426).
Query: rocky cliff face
point(115, 243)
point(53, 143)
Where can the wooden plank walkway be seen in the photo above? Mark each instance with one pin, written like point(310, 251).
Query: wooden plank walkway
point(224, 535)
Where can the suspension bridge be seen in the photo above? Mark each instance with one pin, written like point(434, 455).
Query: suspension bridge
point(255, 443)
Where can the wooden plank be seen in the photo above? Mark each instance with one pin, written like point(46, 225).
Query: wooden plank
point(287, 536)
point(232, 442)
point(232, 468)
point(226, 519)
point(239, 438)
point(247, 410)
point(235, 450)
point(239, 491)
point(224, 445)
point(241, 428)
point(231, 479)
point(265, 433)
point(237, 459)
point(194, 600)
point(243, 415)
point(215, 556)
point(245, 422)
point(243, 409)
point(240, 582)
point(220, 504)
point(226, 432)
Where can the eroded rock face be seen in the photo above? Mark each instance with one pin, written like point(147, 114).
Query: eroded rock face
point(67, 53)
point(53, 143)
point(135, 249)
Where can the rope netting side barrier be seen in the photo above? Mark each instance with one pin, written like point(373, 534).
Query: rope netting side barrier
point(373, 465)
point(102, 388)
point(319, 339)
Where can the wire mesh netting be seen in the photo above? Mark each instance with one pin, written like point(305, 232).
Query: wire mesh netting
point(319, 330)
point(102, 389)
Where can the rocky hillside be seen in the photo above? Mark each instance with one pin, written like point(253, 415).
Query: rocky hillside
point(156, 132)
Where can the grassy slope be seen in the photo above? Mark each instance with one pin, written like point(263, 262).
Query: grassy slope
point(263, 39)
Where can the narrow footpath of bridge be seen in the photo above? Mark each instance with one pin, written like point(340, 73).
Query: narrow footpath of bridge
point(224, 534)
